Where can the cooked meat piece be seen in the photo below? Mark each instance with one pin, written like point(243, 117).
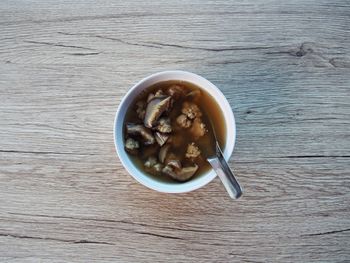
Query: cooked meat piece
point(154, 109)
point(140, 109)
point(183, 121)
point(158, 167)
point(150, 162)
point(164, 125)
point(181, 175)
point(198, 128)
point(192, 151)
point(141, 131)
point(163, 152)
point(161, 138)
point(176, 92)
point(191, 110)
point(132, 146)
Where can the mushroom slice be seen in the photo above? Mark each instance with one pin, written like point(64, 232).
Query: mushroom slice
point(154, 109)
point(182, 175)
point(132, 146)
point(150, 97)
point(163, 152)
point(164, 125)
point(173, 159)
point(169, 171)
point(158, 94)
point(140, 130)
point(161, 138)
point(175, 164)
point(187, 172)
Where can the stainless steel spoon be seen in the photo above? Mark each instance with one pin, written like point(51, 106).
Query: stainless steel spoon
point(220, 166)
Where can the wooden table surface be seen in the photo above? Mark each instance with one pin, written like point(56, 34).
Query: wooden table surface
point(285, 70)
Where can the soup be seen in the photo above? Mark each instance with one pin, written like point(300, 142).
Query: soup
point(167, 130)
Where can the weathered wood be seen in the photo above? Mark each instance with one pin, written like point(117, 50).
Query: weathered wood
point(285, 69)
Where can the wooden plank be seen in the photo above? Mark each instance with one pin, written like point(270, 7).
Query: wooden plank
point(285, 69)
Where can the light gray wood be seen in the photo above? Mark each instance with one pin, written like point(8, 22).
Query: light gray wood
point(285, 69)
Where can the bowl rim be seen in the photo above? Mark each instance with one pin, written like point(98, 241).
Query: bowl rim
point(135, 172)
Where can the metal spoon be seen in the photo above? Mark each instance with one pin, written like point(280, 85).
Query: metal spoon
point(220, 166)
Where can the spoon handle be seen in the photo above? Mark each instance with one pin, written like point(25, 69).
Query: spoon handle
point(225, 174)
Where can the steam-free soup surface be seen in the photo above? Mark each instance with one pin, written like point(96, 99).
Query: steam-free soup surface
point(167, 130)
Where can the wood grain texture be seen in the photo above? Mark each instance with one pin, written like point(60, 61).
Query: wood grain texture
point(285, 69)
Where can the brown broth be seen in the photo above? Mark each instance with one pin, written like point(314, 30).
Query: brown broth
point(210, 110)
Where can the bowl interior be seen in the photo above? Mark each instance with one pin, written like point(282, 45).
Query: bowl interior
point(119, 121)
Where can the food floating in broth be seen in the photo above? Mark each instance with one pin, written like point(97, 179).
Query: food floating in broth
point(166, 132)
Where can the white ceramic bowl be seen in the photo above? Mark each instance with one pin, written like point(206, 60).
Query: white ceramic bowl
point(145, 179)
